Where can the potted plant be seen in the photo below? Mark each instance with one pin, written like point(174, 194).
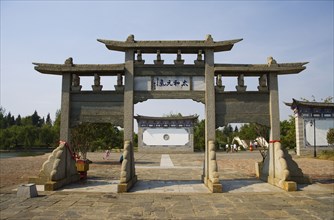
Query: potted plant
point(81, 136)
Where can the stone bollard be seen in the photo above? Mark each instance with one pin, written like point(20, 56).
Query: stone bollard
point(27, 191)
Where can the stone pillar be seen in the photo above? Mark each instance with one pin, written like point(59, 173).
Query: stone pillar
point(210, 119)
point(65, 118)
point(65, 108)
point(129, 172)
point(278, 168)
point(140, 138)
point(300, 135)
point(274, 123)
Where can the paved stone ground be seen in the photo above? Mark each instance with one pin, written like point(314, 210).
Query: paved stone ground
point(244, 197)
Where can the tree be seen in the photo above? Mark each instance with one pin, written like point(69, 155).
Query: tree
point(47, 136)
point(288, 134)
point(199, 136)
point(247, 132)
point(10, 119)
point(81, 137)
point(253, 130)
point(48, 120)
point(37, 120)
point(171, 114)
point(2, 118)
point(330, 136)
point(18, 120)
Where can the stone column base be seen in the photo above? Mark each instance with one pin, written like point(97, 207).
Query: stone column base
point(219, 88)
point(258, 168)
point(283, 184)
point(213, 187)
point(241, 88)
point(53, 185)
point(125, 187)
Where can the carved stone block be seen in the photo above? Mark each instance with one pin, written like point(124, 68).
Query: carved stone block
point(97, 88)
point(178, 62)
point(241, 88)
point(27, 191)
point(262, 88)
point(158, 62)
point(76, 88)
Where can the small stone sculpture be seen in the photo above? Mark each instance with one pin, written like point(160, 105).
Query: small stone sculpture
point(208, 38)
point(158, 61)
point(97, 83)
point(76, 83)
point(139, 58)
point(271, 61)
point(241, 84)
point(69, 61)
point(131, 38)
point(263, 83)
point(179, 60)
point(199, 60)
point(76, 80)
point(119, 87)
point(219, 84)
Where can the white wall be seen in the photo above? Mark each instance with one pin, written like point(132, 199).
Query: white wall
point(155, 136)
point(321, 129)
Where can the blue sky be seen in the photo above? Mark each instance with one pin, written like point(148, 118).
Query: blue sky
point(51, 31)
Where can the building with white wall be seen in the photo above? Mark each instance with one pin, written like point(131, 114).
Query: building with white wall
point(313, 120)
point(166, 134)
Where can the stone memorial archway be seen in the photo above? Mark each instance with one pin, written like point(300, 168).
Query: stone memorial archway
point(202, 81)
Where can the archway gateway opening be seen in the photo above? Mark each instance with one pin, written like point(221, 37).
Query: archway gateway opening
point(202, 81)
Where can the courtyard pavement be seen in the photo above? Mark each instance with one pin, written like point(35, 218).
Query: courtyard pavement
point(169, 187)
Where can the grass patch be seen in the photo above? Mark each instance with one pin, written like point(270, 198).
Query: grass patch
point(326, 155)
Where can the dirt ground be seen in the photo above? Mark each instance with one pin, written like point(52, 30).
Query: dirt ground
point(16, 171)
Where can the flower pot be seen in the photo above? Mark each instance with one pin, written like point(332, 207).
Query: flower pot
point(82, 165)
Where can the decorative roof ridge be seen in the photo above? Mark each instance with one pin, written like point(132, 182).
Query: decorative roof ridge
point(169, 46)
point(311, 104)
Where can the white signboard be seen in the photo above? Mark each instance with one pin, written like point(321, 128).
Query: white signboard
point(171, 83)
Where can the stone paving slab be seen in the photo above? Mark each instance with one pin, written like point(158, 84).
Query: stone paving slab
point(170, 187)
point(169, 197)
point(90, 205)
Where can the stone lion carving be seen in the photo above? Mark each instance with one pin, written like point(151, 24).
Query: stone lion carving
point(69, 61)
point(271, 60)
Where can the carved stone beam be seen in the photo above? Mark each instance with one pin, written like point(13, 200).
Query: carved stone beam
point(97, 83)
point(158, 61)
point(76, 83)
point(139, 58)
point(241, 84)
point(179, 60)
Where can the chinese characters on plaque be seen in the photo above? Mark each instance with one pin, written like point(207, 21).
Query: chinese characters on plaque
point(164, 83)
point(169, 83)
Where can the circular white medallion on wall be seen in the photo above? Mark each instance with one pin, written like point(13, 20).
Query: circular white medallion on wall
point(166, 137)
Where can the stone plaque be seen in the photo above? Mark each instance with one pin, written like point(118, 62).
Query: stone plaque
point(174, 83)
